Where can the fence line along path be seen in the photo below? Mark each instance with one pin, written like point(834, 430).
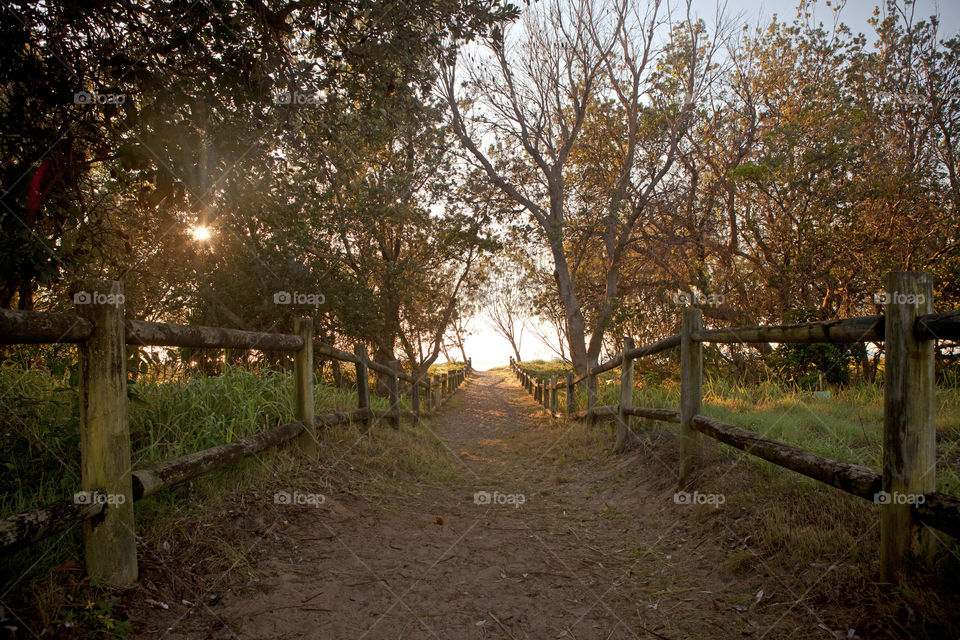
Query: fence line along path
point(109, 487)
point(908, 330)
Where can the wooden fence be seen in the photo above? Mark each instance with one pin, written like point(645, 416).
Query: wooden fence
point(102, 334)
point(908, 330)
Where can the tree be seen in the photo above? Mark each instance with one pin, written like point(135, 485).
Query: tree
point(535, 99)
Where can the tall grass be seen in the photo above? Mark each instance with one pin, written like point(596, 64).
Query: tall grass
point(847, 425)
point(40, 437)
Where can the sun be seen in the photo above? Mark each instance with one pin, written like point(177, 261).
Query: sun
point(201, 234)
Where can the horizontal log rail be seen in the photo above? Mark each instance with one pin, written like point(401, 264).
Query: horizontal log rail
point(865, 329)
point(164, 475)
point(908, 329)
point(939, 326)
point(852, 478)
point(36, 327)
point(162, 334)
point(105, 429)
point(23, 529)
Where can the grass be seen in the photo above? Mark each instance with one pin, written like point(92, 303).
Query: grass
point(848, 425)
point(444, 367)
point(822, 541)
point(169, 419)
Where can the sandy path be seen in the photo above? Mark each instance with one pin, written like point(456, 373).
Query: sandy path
point(599, 553)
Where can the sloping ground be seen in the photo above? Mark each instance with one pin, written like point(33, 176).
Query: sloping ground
point(561, 545)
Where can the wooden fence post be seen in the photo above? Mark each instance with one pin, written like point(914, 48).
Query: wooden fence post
point(624, 433)
point(415, 395)
point(394, 393)
point(591, 396)
point(437, 390)
point(363, 380)
point(553, 396)
point(691, 390)
point(110, 546)
point(909, 428)
point(303, 387)
point(571, 395)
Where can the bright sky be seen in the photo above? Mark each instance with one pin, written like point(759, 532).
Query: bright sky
point(487, 349)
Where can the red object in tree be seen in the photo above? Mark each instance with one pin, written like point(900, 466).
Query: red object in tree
point(37, 195)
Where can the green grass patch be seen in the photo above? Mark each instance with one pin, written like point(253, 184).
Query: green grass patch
point(847, 425)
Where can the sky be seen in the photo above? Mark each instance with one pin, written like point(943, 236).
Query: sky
point(487, 349)
point(854, 14)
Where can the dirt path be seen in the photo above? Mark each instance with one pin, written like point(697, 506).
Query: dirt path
point(563, 550)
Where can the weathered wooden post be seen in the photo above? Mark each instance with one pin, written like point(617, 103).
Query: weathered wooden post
point(536, 392)
point(394, 394)
point(437, 390)
point(571, 395)
point(363, 380)
point(110, 546)
point(415, 395)
point(624, 432)
point(303, 387)
point(553, 396)
point(591, 396)
point(909, 428)
point(691, 390)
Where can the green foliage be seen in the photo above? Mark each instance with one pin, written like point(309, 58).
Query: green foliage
point(804, 364)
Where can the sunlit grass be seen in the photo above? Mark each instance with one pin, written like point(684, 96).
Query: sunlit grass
point(847, 425)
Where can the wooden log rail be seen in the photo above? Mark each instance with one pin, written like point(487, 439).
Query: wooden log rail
point(108, 488)
point(908, 329)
